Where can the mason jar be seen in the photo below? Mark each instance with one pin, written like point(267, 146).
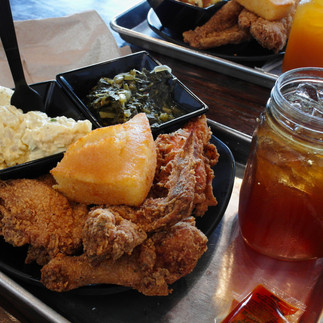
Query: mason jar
point(281, 197)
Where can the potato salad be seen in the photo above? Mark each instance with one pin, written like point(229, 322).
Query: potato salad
point(32, 135)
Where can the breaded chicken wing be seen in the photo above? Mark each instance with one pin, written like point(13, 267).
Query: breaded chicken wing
point(109, 235)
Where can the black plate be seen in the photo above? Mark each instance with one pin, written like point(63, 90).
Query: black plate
point(179, 16)
point(12, 258)
point(245, 52)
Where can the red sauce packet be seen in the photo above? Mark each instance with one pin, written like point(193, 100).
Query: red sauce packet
point(261, 305)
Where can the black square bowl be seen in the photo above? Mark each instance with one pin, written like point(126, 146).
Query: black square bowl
point(57, 103)
point(78, 83)
point(179, 16)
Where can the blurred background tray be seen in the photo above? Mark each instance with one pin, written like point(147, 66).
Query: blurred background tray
point(133, 27)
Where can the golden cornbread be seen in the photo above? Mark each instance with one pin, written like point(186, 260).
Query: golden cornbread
point(111, 165)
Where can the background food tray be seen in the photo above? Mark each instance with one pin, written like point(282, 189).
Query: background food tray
point(200, 296)
point(133, 27)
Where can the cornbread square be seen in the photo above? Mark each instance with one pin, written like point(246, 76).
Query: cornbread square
point(112, 165)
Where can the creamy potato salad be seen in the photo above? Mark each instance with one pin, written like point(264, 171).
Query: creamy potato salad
point(29, 136)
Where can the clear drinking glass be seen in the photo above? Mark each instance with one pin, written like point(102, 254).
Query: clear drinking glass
point(305, 42)
point(281, 198)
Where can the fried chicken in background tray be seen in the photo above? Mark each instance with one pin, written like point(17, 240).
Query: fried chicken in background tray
point(234, 24)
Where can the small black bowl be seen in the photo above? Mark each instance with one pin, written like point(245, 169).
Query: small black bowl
point(179, 16)
point(57, 103)
point(78, 83)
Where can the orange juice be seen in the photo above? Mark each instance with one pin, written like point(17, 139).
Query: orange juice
point(305, 43)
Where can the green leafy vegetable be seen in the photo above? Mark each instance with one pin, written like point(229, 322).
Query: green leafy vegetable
point(117, 100)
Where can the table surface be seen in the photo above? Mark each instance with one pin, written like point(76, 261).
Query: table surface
point(232, 102)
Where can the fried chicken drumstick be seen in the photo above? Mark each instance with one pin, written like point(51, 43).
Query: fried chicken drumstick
point(158, 262)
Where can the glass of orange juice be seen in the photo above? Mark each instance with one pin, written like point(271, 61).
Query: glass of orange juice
point(305, 43)
point(281, 197)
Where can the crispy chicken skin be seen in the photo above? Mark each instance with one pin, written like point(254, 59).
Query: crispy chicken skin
point(220, 30)
point(183, 184)
point(106, 235)
point(31, 212)
point(204, 154)
point(158, 262)
point(272, 35)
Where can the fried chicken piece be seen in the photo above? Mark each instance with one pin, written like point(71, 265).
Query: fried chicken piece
point(31, 212)
point(221, 29)
point(204, 153)
point(233, 35)
point(160, 261)
point(183, 179)
point(246, 19)
point(182, 186)
point(233, 24)
point(154, 213)
point(37, 254)
point(106, 234)
point(271, 35)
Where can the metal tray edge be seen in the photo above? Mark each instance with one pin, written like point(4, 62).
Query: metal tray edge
point(21, 296)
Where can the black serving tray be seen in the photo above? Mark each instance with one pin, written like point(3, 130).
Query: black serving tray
point(79, 82)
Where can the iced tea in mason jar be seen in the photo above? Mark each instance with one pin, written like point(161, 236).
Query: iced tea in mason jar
point(281, 197)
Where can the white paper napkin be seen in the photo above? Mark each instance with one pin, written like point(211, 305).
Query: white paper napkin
point(51, 46)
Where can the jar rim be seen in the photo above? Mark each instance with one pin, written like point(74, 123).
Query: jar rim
point(298, 75)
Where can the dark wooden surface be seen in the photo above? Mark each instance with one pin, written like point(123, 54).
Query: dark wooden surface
point(232, 102)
